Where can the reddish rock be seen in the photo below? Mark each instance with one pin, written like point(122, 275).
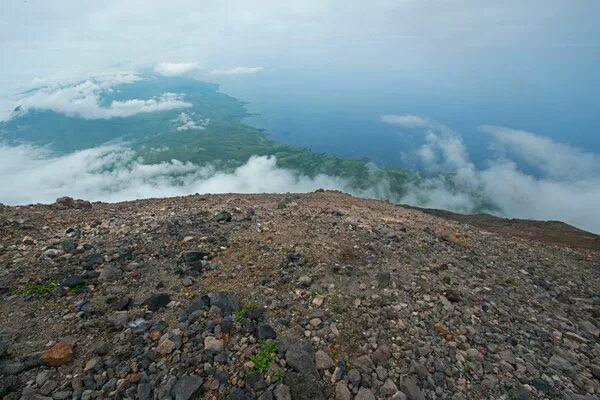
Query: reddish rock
point(59, 354)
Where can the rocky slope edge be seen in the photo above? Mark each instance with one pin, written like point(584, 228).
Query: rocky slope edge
point(308, 296)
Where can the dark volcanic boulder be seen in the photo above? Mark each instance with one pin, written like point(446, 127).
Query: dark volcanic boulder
point(194, 256)
point(158, 301)
point(304, 387)
point(301, 357)
point(228, 302)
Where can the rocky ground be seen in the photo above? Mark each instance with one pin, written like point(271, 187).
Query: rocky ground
point(309, 296)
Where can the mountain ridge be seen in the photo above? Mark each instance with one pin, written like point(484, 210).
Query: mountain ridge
point(317, 295)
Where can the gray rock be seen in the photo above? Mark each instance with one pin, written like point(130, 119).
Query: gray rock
point(596, 371)
point(110, 272)
point(589, 328)
point(305, 280)
point(559, 363)
point(29, 393)
point(364, 364)
point(282, 392)
point(101, 348)
point(508, 356)
point(68, 245)
point(382, 373)
point(399, 396)
point(12, 367)
point(364, 394)
point(520, 393)
point(301, 357)
point(193, 256)
point(3, 348)
point(186, 387)
point(265, 331)
point(266, 395)
point(241, 394)
point(48, 387)
point(213, 344)
point(62, 394)
point(322, 360)
point(410, 387)
point(304, 386)
point(119, 319)
point(63, 203)
point(228, 302)
point(389, 388)
point(342, 392)
point(139, 325)
point(223, 216)
point(73, 281)
point(122, 303)
point(354, 376)
point(91, 260)
point(382, 355)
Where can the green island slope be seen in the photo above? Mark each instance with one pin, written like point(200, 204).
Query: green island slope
point(224, 141)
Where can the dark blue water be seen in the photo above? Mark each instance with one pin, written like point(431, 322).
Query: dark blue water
point(342, 116)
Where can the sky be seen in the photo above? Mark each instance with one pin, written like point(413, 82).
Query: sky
point(499, 91)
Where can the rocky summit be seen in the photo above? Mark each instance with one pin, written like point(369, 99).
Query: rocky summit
point(308, 296)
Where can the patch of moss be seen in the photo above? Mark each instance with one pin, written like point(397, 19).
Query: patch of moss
point(40, 289)
point(265, 356)
point(512, 281)
point(77, 289)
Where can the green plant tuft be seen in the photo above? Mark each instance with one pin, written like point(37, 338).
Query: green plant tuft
point(77, 289)
point(512, 281)
point(241, 313)
point(40, 289)
point(265, 356)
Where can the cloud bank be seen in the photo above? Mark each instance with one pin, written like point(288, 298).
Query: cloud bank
point(176, 68)
point(83, 99)
point(113, 173)
point(567, 188)
point(554, 159)
point(236, 71)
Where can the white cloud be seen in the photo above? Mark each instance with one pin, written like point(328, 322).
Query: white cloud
point(187, 123)
point(30, 174)
point(176, 68)
point(83, 99)
point(113, 173)
point(553, 158)
point(237, 71)
point(568, 188)
point(406, 121)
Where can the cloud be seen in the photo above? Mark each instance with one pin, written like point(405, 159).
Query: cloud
point(113, 173)
point(187, 123)
point(176, 68)
point(406, 121)
point(83, 99)
point(553, 158)
point(568, 188)
point(237, 71)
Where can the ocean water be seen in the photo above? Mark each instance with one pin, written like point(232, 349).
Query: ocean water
point(342, 116)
